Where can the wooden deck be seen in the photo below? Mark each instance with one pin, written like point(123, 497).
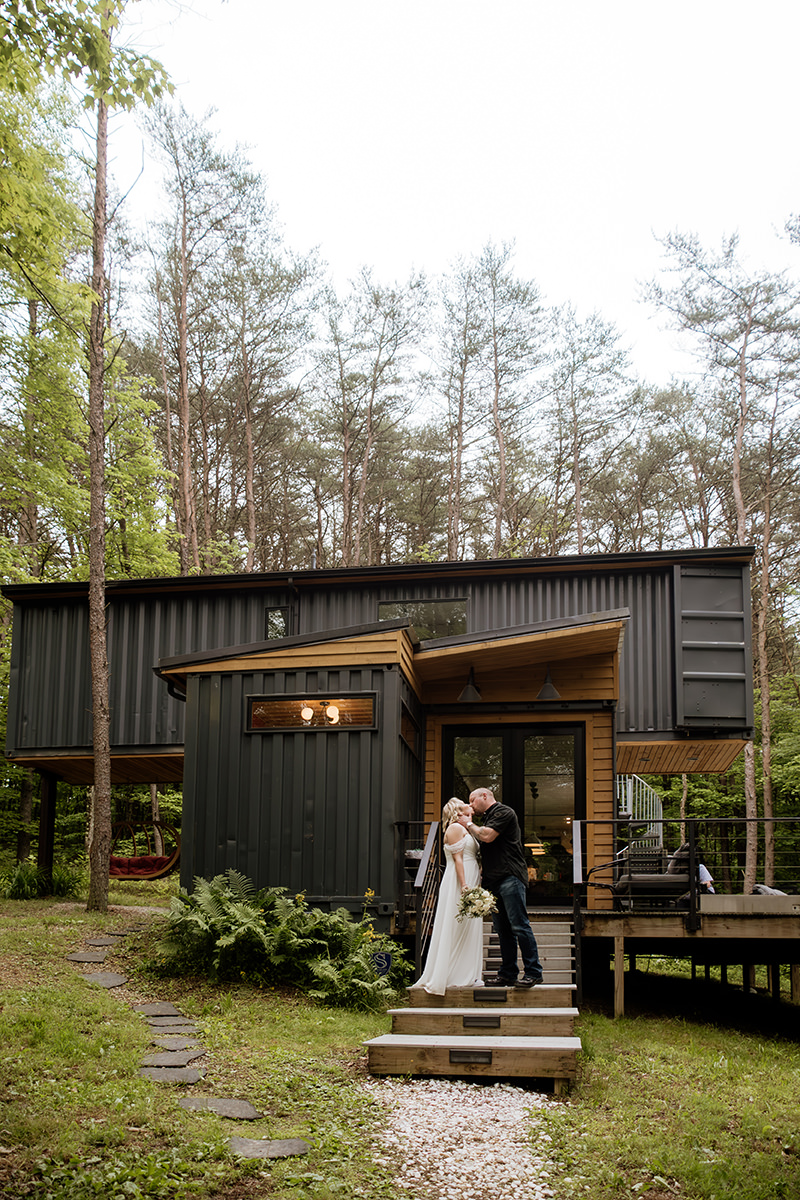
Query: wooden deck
point(744, 930)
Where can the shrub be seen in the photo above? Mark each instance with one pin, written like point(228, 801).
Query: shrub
point(230, 931)
point(26, 881)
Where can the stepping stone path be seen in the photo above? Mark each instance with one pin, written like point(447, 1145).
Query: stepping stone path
point(177, 1049)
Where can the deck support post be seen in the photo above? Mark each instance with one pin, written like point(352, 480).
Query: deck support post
point(47, 824)
point(774, 980)
point(619, 975)
point(723, 973)
point(795, 982)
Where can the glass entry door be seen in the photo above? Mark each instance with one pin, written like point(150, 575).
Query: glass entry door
point(538, 770)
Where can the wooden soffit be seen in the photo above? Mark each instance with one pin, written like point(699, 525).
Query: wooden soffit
point(78, 768)
point(514, 651)
point(695, 756)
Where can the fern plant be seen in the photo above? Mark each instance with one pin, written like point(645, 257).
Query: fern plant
point(228, 930)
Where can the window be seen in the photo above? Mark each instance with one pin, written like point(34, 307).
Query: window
point(310, 712)
point(430, 618)
point(276, 623)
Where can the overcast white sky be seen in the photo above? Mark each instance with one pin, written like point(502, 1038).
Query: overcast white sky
point(403, 134)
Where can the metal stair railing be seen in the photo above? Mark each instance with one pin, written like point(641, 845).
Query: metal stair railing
point(426, 892)
point(643, 805)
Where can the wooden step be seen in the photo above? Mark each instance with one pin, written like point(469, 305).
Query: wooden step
point(554, 955)
point(494, 1022)
point(526, 1057)
point(544, 995)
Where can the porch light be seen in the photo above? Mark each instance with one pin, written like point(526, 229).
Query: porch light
point(470, 693)
point(548, 691)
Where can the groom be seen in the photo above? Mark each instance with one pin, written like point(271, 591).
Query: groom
point(505, 874)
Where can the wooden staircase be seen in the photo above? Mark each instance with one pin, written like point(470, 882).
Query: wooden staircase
point(489, 1032)
point(555, 939)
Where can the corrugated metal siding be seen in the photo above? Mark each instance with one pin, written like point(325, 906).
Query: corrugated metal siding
point(646, 688)
point(51, 696)
point(292, 809)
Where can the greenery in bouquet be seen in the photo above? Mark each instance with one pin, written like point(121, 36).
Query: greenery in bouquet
point(475, 902)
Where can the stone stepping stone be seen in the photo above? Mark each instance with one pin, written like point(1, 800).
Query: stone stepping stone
point(158, 1008)
point(106, 979)
point(102, 941)
point(88, 956)
point(175, 1043)
point(236, 1110)
point(159, 1022)
point(171, 1074)
point(258, 1148)
point(182, 1030)
point(172, 1058)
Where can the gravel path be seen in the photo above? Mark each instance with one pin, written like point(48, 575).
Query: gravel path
point(452, 1140)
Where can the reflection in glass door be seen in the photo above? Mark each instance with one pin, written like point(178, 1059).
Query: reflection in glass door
point(538, 771)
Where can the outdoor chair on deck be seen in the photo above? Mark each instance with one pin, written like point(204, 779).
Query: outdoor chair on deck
point(645, 877)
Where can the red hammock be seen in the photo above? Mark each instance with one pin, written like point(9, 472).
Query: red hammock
point(145, 865)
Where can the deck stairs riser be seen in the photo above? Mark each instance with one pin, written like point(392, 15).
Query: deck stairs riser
point(489, 1032)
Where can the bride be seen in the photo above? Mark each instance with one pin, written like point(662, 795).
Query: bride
point(455, 956)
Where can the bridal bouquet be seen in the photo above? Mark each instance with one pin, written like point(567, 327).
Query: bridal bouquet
point(475, 902)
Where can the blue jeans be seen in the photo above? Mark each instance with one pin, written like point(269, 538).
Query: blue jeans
point(513, 928)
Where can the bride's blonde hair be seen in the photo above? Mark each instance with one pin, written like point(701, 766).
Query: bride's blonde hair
point(450, 811)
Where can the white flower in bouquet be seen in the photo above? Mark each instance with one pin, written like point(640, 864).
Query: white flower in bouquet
point(475, 902)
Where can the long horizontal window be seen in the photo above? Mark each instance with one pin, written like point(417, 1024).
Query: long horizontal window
point(431, 618)
point(310, 712)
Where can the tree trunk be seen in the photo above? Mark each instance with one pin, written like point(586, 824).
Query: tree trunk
point(190, 552)
point(762, 620)
point(175, 490)
point(501, 453)
point(155, 813)
point(26, 790)
point(100, 848)
point(684, 797)
point(750, 794)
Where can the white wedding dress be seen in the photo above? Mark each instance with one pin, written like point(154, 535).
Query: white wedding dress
point(455, 956)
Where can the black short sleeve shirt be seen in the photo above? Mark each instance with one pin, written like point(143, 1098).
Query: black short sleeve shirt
point(505, 855)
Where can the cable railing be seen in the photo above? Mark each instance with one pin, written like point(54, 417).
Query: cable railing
point(673, 872)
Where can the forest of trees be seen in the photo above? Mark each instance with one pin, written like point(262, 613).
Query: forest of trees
point(256, 418)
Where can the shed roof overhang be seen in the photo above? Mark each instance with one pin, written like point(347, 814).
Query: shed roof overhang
point(664, 754)
point(129, 766)
point(437, 670)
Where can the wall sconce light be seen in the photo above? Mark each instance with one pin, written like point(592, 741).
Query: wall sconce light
point(470, 693)
point(548, 691)
point(332, 714)
point(307, 714)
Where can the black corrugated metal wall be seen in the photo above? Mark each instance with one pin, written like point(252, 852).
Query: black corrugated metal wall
point(296, 809)
point(50, 703)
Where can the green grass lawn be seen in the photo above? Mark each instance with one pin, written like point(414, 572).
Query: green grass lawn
point(694, 1094)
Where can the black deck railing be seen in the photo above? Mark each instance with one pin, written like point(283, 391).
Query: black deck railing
point(662, 873)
